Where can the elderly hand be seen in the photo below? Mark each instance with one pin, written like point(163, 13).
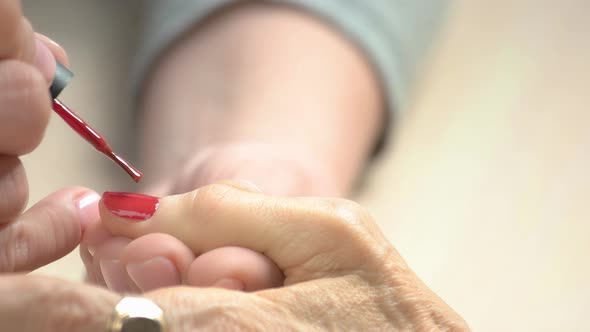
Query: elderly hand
point(201, 122)
point(51, 228)
point(340, 272)
point(278, 171)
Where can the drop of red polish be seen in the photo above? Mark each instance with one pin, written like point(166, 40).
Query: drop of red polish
point(93, 137)
point(136, 207)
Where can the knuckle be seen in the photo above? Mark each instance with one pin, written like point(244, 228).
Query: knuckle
point(346, 222)
point(350, 212)
point(15, 246)
point(206, 200)
point(346, 218)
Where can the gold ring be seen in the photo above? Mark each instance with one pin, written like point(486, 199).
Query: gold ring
point(134, 314)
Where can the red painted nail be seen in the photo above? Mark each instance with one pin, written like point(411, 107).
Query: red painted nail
point(131, 206)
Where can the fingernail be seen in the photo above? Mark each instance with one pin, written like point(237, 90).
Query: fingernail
point(230, 283)
point(44, 60)
point(155, 273)
point(114, 274)
point(131, 206)
point(88, 208)
point(49, 40)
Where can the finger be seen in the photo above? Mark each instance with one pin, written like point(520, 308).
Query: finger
point(14, 190)
point(14, 32)
point(19, 42)
point(26, 46)
point(156, 260)
point(36, 303)
point(91, 272)
point(58, 52)
point(94, 237)
point(47, 52)
point(234, 268)
point(159, 260)
point(48, 230)
point(44, 61)
point(107, 260)
point(24, 107)
point(290, 231)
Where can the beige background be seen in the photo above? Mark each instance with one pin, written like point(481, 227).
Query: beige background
point(490, 210)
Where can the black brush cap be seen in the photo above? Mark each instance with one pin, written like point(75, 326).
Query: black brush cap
point(62, 77)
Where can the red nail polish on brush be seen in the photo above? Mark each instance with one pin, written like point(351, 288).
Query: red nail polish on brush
point(62, 77)
point(135, 207)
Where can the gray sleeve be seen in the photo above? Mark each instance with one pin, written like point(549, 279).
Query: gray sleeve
point(394, 34)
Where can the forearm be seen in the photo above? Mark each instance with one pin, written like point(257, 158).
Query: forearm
point(266, 74)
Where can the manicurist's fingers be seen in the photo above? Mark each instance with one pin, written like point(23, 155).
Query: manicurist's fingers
point(24, 107)
point(37, 303)
point(14, 189)
point(48, 230)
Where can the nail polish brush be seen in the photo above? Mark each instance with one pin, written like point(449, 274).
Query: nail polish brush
point(62, 77)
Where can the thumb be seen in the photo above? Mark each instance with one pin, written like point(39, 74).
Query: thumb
point(290, 231)
point(47, 231)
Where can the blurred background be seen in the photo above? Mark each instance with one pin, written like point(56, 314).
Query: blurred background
point(492, 212)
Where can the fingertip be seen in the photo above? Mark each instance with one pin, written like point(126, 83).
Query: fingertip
point(124, 214)
point(130, 207)
point(49, 230)
point(234, 268)
point(44, 60)
point(157, 260)
point(157, 272)
point(56, 50)
point(111, 270)
point(95, 235)
point(87, 204)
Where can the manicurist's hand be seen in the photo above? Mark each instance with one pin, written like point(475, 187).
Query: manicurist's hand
point(340, 273)
point(52, 227)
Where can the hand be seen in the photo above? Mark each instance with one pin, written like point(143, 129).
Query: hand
point(276, 169)
point(153, 261)
point(52, 227)
point(340, 271)
point(293, 130)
